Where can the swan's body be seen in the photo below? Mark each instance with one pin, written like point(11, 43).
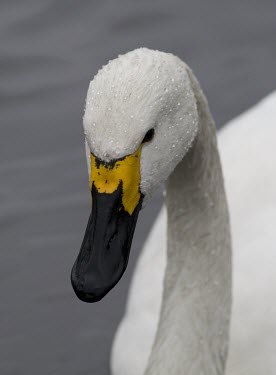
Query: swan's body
point(247, 149)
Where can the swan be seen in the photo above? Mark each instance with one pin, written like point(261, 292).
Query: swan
point(147, 122)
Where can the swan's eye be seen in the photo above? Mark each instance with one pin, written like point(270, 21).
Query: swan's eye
point(149, 135)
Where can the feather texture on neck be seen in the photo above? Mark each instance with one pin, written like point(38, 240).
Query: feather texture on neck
point(192, 334)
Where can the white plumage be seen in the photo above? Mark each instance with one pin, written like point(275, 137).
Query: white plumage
point(247, 150)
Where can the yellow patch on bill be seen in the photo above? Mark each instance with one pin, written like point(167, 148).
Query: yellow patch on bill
point(107, 177)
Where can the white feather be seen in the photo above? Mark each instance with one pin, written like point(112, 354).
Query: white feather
point(247, 150)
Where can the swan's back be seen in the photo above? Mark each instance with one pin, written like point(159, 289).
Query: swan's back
point(248, 153)
point(247, 148)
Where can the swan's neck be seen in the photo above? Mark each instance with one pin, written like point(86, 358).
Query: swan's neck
point(192, 335)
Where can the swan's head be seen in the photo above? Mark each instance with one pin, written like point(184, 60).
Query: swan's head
point(140, 120)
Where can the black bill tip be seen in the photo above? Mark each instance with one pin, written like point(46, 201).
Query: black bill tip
point(87, 292)
point(91, 282)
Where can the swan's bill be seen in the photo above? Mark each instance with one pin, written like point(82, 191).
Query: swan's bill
point(116, 202)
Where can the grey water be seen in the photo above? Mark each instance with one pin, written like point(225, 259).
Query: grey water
point(49, 51)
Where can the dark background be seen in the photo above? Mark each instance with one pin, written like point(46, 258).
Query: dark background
point(49, 51)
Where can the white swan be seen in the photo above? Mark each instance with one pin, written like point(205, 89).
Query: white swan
point(147, 120)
